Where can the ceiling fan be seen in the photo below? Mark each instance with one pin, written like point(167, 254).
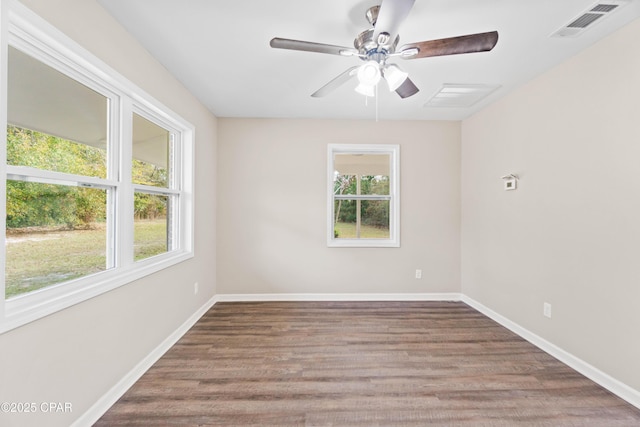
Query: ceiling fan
point(379, 44)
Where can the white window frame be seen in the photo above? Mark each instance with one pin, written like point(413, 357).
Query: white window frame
point(393, 150)
point(21, 28)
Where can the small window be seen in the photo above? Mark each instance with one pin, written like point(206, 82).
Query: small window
point(363, 196)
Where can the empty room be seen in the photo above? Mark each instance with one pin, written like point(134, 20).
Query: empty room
point(336, 213)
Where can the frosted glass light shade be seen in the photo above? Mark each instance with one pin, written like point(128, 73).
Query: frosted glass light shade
point(369, 73)
point(366, 90)
point(394, 77)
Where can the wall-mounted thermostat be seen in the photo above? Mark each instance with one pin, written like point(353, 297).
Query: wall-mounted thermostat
point(510, 182)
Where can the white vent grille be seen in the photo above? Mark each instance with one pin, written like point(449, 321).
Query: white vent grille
point(585, 20)
point(460, 95)
point(604, 8)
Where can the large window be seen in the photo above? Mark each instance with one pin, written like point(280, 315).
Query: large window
point(97, 177)
point(58, 196)
point(363, 196)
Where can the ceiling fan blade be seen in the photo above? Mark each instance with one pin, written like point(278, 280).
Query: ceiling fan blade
point(280, 43)
point(391, 14)
point(335, 83)
point(407, 89)
point(481, 42)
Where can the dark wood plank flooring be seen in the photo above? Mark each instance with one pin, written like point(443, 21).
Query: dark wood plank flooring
point(361, 364)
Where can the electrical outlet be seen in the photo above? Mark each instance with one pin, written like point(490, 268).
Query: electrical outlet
point(418, 274)
point(546, 310)
point(195, 288)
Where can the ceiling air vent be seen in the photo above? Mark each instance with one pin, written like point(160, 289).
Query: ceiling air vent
point(596, 12)
point(460, 95)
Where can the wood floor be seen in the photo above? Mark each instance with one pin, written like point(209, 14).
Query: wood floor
point(361, 364)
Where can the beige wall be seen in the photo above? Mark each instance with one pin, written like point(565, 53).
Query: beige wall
point(78, 354)
point(272, 209)
point(570, 234)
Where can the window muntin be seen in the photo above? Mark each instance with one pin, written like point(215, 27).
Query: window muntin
point(363, 195)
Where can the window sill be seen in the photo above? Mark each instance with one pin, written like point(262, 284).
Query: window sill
point(363, 243)
point(36, 305)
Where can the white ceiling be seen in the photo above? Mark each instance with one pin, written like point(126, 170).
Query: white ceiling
point(220, 50)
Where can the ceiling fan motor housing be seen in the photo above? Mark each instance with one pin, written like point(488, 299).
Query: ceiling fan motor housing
point(367, 46)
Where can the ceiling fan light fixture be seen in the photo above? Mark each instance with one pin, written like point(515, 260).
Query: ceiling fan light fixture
point(366, 90)
point(394, 76)
point(369, 73)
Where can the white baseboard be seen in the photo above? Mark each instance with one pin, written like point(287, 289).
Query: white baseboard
point(338, 297)
point(106, 401)
point(614, 386)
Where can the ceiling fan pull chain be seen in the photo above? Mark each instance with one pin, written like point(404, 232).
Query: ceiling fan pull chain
point(376, 103)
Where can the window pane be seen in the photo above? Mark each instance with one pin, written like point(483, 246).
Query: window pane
point(151, 153)
point(378, 184)
point(54, 122)
point(35, 149)
point(374, 219)
point(152, 225)
point(361, 174)
point(54, 233)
